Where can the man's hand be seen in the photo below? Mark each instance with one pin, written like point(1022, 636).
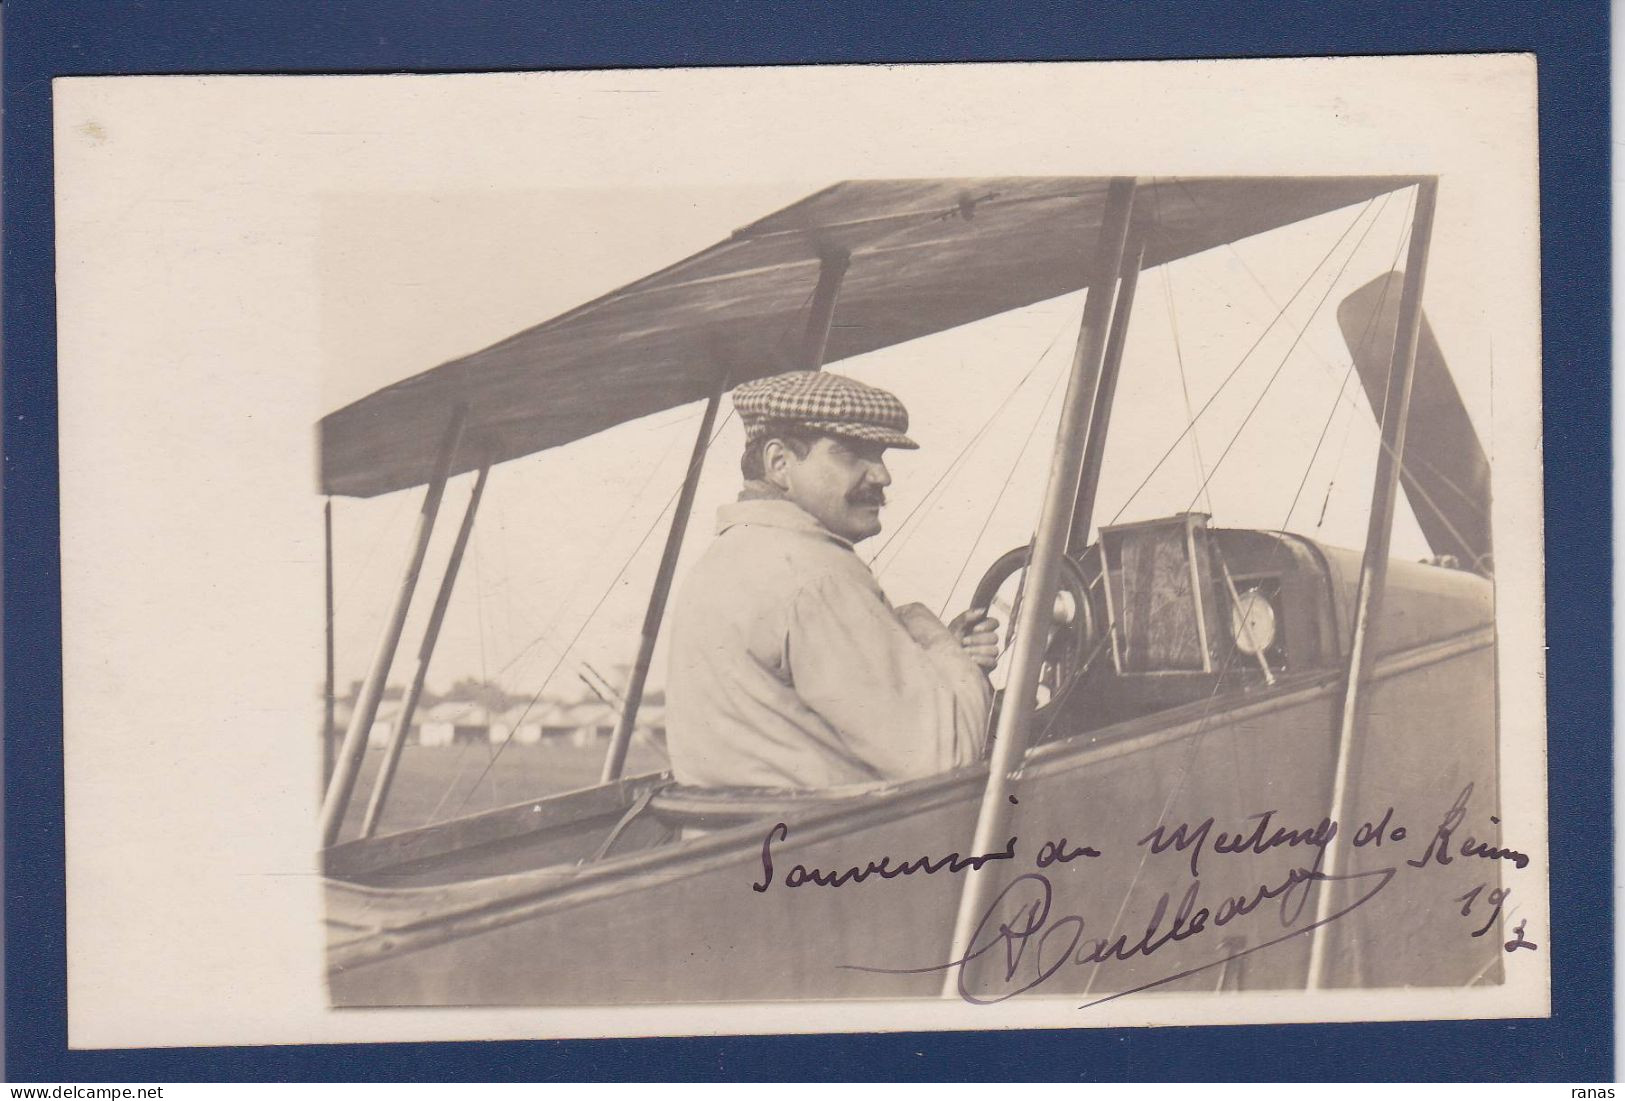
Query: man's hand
point(970, 631)
point(978, 636)
point(924, 627)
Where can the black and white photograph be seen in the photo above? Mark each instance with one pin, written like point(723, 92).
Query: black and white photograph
point(819, 549)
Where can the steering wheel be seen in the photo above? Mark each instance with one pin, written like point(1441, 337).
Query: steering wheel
point(1073, 631)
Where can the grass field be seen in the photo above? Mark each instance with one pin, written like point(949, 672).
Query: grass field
point(435, 783)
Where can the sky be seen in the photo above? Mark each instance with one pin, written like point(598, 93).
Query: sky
point(567, 541)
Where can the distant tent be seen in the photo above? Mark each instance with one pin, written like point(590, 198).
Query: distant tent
point(452, 721)
point(380, 733)
point(589, 721)
point(519, 725)
point(437, 734)
point(383, 726)
point(554, 720)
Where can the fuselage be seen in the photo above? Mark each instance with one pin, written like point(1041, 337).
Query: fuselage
point(1169, 833)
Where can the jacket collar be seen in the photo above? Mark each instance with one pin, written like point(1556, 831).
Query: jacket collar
point(755, 509)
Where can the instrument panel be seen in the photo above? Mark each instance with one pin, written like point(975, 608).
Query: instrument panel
point(1190, 611)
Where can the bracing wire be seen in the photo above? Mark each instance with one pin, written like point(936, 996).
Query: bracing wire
point(513, 602)
point(1032, 429)
point(587, 620)
point(1342, 387)
point(462, 767)
point(574, 587)
point(479, 613)
point(920, 507)
point(957, 463)
point(1179, 355)
point(1241, 362)
point(1287, 356)
point(1185, 390)
point(1471, 502)
point(1241, 261)
point(386, 524)
point(1411, 462)
point(507, 578)
point(479, 605)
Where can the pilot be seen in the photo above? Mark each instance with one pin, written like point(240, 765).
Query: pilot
point(789, 668)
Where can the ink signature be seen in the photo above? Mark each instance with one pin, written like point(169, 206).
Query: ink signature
point(1037, 944)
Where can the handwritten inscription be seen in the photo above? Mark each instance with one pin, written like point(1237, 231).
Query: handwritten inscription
point(1438, 849)
point(1027, 939)
point(1517, 940)
point(801, 875)
point(1494, 899)
point(1260, 840)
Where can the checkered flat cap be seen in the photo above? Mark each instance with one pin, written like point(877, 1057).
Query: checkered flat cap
point(823, 402)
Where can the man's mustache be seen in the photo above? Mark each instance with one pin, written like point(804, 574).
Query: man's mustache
point(866, 497)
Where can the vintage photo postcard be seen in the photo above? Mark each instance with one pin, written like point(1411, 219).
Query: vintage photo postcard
point(817, 549)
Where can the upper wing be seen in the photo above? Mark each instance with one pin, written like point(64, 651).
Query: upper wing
point(926, 255)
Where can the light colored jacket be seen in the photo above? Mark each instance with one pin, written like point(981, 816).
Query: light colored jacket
point(790, 669)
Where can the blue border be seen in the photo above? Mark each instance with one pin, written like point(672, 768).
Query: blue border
point(45, 39)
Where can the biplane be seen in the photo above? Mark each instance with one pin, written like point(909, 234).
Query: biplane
point(1220, 758)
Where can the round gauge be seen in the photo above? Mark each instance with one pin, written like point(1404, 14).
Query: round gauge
point(1252, 622)
point(1065, 609)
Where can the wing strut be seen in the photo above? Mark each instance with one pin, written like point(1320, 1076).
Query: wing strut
point(1374, 567)
point(832, 265)
point(1039, 583)
point(431, 634)
point(1083, 514)
point(615, 758)
point(348, 766)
